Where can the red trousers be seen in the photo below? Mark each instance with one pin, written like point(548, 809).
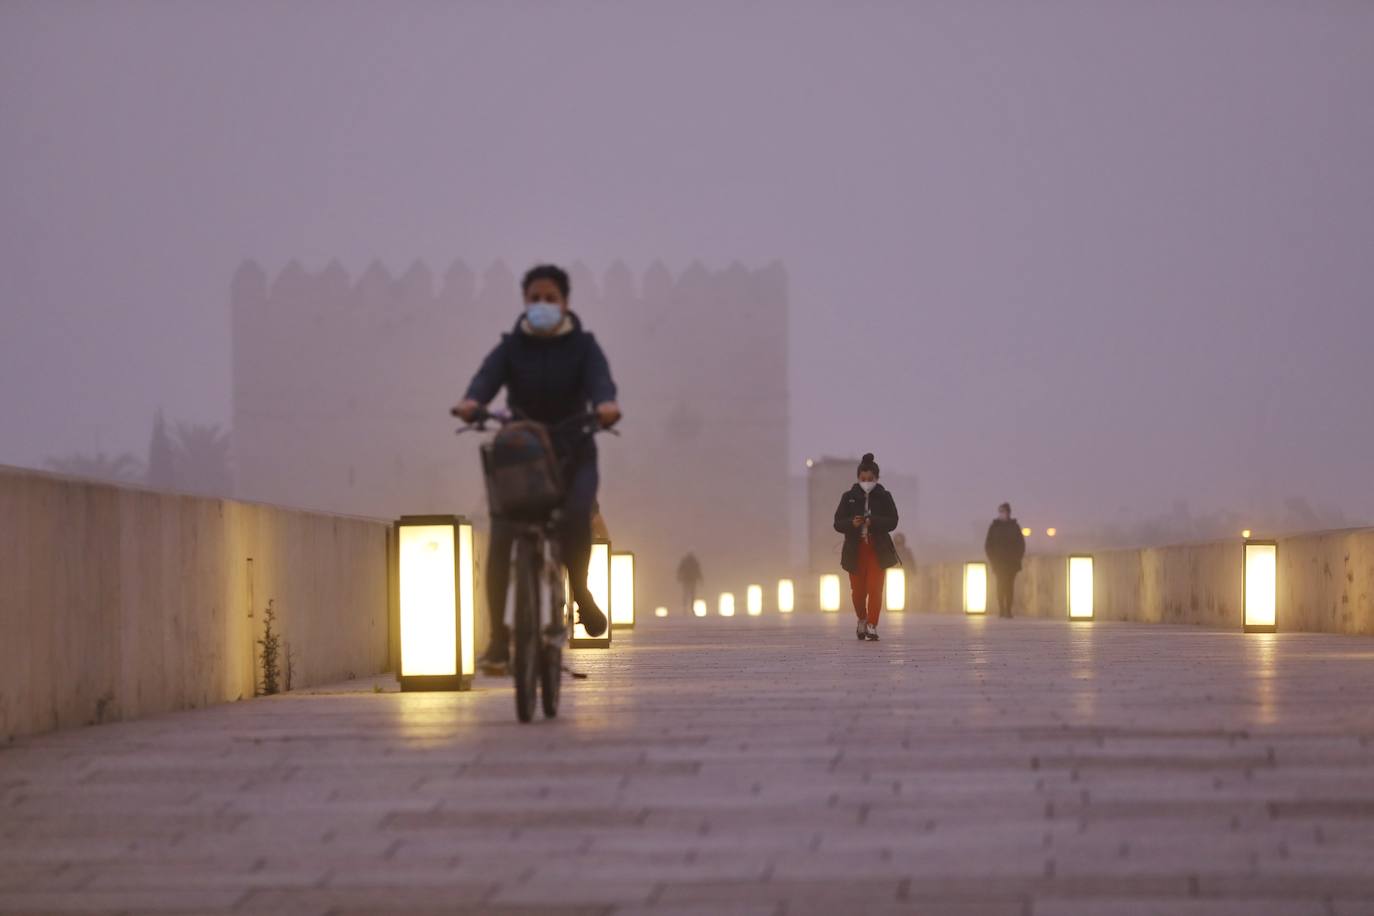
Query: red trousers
point(866, 584)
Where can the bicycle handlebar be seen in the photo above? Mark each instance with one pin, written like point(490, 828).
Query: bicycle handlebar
point(588, 423)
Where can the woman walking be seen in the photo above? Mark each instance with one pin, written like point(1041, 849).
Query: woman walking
point(867, 516)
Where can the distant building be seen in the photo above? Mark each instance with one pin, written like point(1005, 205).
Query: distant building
point(826, 479)
point(341, 390)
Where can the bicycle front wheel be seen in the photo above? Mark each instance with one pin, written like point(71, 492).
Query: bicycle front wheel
point(551, 670)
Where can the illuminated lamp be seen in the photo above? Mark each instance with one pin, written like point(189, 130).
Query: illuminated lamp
point(894, 589)
point(622, 590)
point(830, 593)
point(975, 588)
point(1261, 586)
point(435, 583)
point(787, 600)
point(1080, 587)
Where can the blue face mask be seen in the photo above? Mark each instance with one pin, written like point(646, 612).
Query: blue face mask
point(544, 317)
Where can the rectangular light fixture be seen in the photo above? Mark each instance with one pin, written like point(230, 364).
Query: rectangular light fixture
point(727, 604)
point(1261, 579)
point(894, 589)
point(753, 600)
point(830, 592)
point(975, 588)
point(660, 611)
point(699, 607)
point(599, 584)
point(622, 590)
point(435, 584)
point(787, 597)
point(1080, 587)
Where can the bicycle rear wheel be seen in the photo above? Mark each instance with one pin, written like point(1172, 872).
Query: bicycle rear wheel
point(527, 635)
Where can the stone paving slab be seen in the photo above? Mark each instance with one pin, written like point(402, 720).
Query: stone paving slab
point(751, 766)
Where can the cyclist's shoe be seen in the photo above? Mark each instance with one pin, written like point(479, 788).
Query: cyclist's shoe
point(590, 616)
point(871, 633)
point(861, 631)
point(495, 661)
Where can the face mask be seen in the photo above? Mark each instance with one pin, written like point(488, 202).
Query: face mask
point(867, 485)
point(543, 317)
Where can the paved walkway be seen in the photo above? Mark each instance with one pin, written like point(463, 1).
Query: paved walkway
point(745, 766)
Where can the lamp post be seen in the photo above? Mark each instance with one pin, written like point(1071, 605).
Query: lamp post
point(435, 597)
point(975, 588)
point(1081, 587)
point(1260, 588)
point(622, 590)
point(599, 584)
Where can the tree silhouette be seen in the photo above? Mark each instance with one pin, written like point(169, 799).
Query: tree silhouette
point(201, 459)
point(161, 457)
point(125, 467)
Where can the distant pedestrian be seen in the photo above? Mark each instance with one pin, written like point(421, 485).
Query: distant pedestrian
point(1005, 547)
point(867, 516)
point(689, 577)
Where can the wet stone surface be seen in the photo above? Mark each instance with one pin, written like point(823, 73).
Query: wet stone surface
point(769, 766)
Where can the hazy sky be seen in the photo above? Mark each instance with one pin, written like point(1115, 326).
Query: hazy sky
point(1084, 255)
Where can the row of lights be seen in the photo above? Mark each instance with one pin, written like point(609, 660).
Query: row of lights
point(753, 602)
point(1259, 586)
point(435, 558)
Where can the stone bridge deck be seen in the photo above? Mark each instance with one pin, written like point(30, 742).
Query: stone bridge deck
point(769, 766)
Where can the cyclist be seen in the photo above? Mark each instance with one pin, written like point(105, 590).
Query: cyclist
point(552, 370)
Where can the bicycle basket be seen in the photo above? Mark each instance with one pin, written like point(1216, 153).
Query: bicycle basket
point(521, 468)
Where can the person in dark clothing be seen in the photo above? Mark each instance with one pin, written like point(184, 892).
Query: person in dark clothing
point(867, 516)
point(552, 370)
point(1005, 547)
point(689, 577)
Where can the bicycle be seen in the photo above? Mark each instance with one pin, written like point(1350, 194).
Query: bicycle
point(538, 618)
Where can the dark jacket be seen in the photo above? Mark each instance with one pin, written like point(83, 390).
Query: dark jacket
point(1005, 546)
point(882, 512)
point(547, 379)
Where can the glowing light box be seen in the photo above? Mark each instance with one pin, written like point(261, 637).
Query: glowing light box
point(622, 590)
point(830, 593)
point(1080, 587)
point(975, 588)
point(894, 589)
point(1261, 579)
point(435, 595)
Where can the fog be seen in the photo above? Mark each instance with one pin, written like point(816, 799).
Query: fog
point(1110, 261)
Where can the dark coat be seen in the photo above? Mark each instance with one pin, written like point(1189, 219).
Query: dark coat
point(882, 511)
point(547, 379)
point(1005, 546)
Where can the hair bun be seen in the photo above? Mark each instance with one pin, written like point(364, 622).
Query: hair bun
point(868, 456)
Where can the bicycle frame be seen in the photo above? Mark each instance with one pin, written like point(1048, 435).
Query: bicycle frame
point(553, 597)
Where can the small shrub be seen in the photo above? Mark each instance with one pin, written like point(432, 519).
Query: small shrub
point(271, 653)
